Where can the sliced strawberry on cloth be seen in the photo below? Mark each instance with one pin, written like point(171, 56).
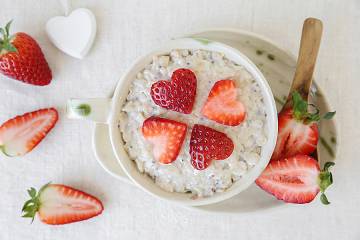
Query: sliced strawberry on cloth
point(298, 129)
point(222, 106)
point(21, 58)
point(207, 144)
point(58, 204)
point(166, 137)
point(178, 94)
point(296, 179)
point(21, 134)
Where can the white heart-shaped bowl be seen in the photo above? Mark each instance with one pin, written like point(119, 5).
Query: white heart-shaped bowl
point(108, 111)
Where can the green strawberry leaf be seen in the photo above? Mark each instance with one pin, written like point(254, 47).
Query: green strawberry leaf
point(2, 31)
point(9, 47)
point(325, 179)
point(7, 28)
point(301, 110)
point(329, 115)
point(299, 105)
point(324, 199)
point(27, 204)
point(5, 41)
point(32, 192)
point(327, 165)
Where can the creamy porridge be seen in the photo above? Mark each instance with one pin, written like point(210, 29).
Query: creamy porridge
point(180, 175)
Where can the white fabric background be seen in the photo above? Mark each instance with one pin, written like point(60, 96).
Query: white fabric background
point(128, 29)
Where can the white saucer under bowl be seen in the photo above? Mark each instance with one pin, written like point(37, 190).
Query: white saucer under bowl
point(278, 66)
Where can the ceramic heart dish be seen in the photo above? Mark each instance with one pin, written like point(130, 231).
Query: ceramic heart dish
point(73, 34)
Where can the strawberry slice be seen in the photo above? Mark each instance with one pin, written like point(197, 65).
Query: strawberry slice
point(222, 106)
point(294, 136)
point(58, 204)
point(178, 94)
point(21, 134)
point(166, 136)
point(296, 179)
point(207, 144)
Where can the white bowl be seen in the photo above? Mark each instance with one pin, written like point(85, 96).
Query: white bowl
point(108, 110)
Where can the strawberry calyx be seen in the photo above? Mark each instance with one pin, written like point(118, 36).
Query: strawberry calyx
point(325, 179)
point(301, 113)
point(5, 42)
point(32, 205)
point(2, 149)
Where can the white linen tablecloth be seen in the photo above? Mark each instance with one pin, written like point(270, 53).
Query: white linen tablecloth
point(128, 29)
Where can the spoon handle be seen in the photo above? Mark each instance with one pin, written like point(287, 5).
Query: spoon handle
point(309, 48)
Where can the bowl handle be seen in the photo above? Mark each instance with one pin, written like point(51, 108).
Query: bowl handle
point(93, 109)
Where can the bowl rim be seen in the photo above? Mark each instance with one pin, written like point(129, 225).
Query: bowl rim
point(144, 181)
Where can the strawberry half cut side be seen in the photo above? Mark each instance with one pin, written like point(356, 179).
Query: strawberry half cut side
point(222, 106)
point(298, 128)
point(58, 204)
point(294, 136)
point(166, 137)
point(296, 179)
point(21, 134)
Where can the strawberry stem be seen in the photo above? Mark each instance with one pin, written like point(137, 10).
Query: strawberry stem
point(325, 179)
point(5, 42)
point(32, 205)
point(301, 110)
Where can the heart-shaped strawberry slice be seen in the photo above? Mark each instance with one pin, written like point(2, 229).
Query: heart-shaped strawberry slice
point(207, 144)
point(178, 94)
point(222, 106)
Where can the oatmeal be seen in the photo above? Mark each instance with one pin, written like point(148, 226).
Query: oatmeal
point(248, 137)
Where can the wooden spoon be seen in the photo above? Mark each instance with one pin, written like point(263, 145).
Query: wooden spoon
point(309, 48)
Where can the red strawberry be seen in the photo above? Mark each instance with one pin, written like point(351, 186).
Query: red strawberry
point(22, 59)
point(166, 136)
point(178, 94)
point(222, 106)
point(296, 179)
point(21, 134)
point(58, 204)
point(207, 144)
point(298, 129)
point(294, 136)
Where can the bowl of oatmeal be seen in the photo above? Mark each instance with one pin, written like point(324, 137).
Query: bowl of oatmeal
point(193, 122)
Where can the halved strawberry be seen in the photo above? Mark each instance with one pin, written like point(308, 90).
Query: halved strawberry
point(166, 136)
point(207, 144)
point(298, 128)
point(296, 179)
point(58, 204)
point(222, 106)
point(21, 134)
point(178, 94)
point(294, 136)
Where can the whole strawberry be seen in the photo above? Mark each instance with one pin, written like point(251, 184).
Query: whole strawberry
point(22, 59)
